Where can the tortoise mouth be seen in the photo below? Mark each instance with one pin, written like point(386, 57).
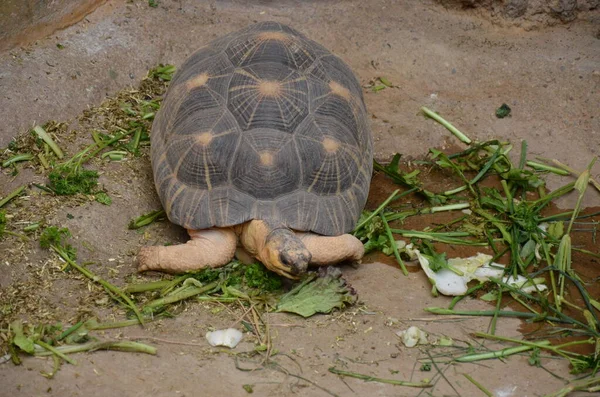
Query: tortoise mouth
point(286, 254)
point(295, 263)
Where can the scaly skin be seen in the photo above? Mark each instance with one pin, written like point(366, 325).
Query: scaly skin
point(285, 252)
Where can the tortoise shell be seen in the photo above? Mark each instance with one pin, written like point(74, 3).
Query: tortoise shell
point(263, 124)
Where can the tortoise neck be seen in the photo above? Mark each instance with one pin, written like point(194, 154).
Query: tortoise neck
point(255, 233)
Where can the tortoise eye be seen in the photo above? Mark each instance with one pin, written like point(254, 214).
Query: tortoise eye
point(285, 260)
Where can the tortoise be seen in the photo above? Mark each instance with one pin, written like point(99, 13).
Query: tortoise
point(261, 146)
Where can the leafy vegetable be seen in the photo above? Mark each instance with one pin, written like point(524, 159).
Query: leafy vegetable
point(103, 198)
point(257, 276)
point(318, 294)
point(53, 236)
point(19, 339)
point(65, 182)
point(163, 72)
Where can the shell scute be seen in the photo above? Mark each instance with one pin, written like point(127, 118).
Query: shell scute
point(263, 124)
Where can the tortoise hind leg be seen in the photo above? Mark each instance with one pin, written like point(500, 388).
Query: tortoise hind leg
point(326, 250)
point(206, 248)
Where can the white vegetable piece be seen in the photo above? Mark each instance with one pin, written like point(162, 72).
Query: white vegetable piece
point(229, 337)
point(413, 336)
point(478, 267)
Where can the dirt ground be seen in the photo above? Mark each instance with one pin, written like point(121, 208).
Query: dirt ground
point(452, 61)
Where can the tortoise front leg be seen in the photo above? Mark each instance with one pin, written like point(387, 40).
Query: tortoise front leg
point(206, 248)
point(326, 250)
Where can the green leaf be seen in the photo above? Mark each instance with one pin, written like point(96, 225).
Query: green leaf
point(20, 340)
point(437, 261)
point(491, 296)
point(319, 294)
point(103, 198)
point(146, 219)
point(503, 111)
point(527, 249)
point(556, 230)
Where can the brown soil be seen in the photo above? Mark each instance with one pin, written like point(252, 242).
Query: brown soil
point(454, 62)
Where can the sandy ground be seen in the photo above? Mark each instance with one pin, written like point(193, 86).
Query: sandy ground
point(461, 66)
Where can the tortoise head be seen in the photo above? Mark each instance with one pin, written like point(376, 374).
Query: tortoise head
point(285, 254)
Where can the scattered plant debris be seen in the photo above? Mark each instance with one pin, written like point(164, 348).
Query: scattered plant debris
point(367, 378)
point(146, 219)
point(49, 340)
point(511, 222)
point(503, 111)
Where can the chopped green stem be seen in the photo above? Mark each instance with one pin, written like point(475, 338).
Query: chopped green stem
point(571, 170)
point(55, 351)
point(476, 148)
point(135, 142)
point(445, 225)
point(443, 237)
point(538, 204)
point(43, 187)
point(189, 292)
point(567, 215)
point(544, 344)
point(46, 138)
point(496, 311)
point(146, 219)
point(501, 313)
point(486, 167)
point(586, 252)
point(581, 186)
point(152, 286)
point(544, 167)
point(369, 378)
point(478, 385)
point(32, 227)
point(377, 211)
point(505, 234)
point(442, 208)
point(117, 324)
point(11, 196)
point(390, 236)
point(523, 157)
point(454, 191)
point(17, 158)
point(19, 235)
point(105, 144)
point(102, 345)
point(173, 283)
point(70, 330)
point(113, 152)
point(462, 137)
point(561, 317)
point(498, 353)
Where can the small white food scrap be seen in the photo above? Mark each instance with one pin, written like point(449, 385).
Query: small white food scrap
point(229, 337)
point(413, 336)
